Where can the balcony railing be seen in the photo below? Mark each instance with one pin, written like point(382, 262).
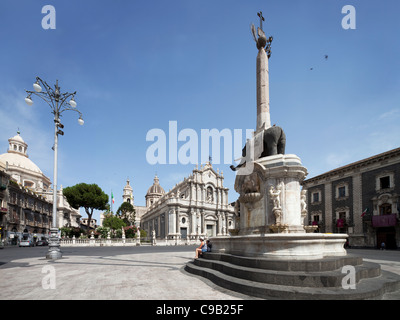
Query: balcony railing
point(387, 220)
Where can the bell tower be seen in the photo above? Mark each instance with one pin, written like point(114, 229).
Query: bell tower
point(127, 195)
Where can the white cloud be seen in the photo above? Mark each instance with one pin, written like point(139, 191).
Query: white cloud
point(390, 114)
point(15, 115)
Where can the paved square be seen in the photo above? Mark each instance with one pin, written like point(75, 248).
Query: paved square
point(151, 273)
point(124, 273)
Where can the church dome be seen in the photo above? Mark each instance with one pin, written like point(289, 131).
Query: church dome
point(17, 156)
point(155, 188)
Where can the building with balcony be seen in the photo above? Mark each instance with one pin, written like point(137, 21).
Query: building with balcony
point(361, 199)
point(26, 196)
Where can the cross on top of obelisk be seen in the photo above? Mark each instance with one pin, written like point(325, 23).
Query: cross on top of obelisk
point(261, 18)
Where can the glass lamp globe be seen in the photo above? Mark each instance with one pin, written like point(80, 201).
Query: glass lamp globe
point(72, 102)
point(37, 87)
point(28, 101)
point(80, 121)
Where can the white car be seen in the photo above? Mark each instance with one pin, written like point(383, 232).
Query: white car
point(26, 243)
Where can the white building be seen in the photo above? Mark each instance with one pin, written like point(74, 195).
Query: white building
point(27, 175)
point(197, 206)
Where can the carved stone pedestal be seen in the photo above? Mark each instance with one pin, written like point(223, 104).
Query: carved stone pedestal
point(270, 191)
point(272, 212)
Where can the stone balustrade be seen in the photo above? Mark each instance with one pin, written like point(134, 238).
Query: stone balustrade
point(95, 242)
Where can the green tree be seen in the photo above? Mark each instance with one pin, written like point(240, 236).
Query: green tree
point(126, 212)
point(115, 223)
point(88, 196)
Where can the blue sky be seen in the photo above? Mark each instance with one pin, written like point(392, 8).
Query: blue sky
point(136, 65)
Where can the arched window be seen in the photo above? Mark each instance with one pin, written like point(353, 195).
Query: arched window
point(210, 195)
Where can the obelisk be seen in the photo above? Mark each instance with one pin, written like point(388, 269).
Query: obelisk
point(263, 114)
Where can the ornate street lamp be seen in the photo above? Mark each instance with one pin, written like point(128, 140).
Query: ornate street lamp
point(58, 103)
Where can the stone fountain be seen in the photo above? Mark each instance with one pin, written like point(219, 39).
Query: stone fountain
point(273, 254)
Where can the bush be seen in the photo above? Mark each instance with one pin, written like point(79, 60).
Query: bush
point(103, 231)
point(70, 232)
point(130, 231)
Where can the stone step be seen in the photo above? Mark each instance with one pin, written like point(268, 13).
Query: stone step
point(325, 264)
point(371, 288)
point(291, 278)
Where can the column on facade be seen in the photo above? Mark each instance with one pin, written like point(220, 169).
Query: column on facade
point(198, 223)
point(172, 221)
point(203, 222)
point(192, 192)
point(178, 231)
point(328, 207)
point(198, 193)
point(193, 218)
point(219, 220)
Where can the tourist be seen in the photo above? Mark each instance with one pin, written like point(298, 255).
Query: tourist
point(202, 248)
point(209, 246)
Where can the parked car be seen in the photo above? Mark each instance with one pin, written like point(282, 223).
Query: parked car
point(42, 243)
point(26, 243)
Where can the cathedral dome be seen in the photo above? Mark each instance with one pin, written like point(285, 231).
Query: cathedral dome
point(17, 156)
point(155, 188)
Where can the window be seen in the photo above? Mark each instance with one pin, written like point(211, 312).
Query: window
point(342, 192)
point(384, 182)
point(316, 217)
point(315, 197)
point(385, 208)
point(28, 184)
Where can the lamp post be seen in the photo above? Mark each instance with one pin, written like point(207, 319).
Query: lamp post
point(58, 103)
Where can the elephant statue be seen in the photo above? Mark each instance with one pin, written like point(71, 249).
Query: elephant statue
point(274, 142)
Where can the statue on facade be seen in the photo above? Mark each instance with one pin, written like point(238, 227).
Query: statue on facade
point(275, 198)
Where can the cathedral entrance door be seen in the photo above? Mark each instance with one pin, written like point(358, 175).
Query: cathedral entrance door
point(183, 233)
point(386, 235)
point(210, 231)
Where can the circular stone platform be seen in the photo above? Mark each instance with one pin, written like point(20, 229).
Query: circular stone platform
point(317, 279)
point(306, 246)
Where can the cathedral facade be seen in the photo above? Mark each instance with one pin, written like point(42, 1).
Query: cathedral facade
point(196, 207)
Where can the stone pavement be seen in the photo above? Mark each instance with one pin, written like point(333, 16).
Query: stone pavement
point(119, 273)
point(134, 273)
